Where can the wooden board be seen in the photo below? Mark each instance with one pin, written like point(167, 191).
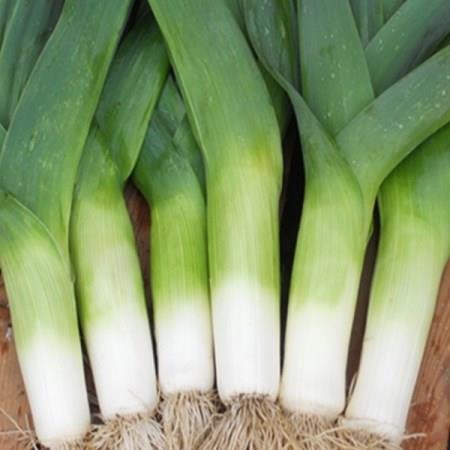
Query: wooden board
point(430, 410)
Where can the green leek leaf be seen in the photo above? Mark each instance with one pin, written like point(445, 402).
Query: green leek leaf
point(27, 29)
point(369, 18)
point(335, 78)
point(407, 39)
point(41, 153)
point(390, 7)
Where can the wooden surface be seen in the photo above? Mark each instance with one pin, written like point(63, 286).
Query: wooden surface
point(430, 410)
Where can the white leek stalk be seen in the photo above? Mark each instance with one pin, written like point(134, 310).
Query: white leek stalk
point(42, 302)
point(169, 173)
point(110, 290)
point(414, 249)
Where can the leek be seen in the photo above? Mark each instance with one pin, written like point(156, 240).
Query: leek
point(313, 383)
point(235, 125)
point(347, 155)
point(413, 251)
point(38, 166)
point(170, 174)
point(109, 286)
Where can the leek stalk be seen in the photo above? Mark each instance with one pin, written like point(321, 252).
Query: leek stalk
point(413, 251)
point(414, 237)
point(109, 286)
point(38, 164)
point(170, 174)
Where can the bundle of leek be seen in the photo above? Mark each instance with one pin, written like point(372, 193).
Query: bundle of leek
point(170, 174)
point(345, 166)
point(237, 131)
point(38, 166)
point(109, 286)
